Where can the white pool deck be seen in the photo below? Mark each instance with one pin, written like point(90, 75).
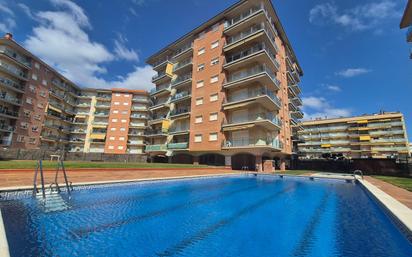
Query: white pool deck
point(401, 213)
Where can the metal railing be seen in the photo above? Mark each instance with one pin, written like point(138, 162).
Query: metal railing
point(243, 16)
point(180, 79)
point(255, 117)
point(252, 72)
point(252, 142)
point(182, 64)
point(11, 83)
point(255, 93)
point(181, 95)
point(6, 111)
point(13, 70)
point(21, 59)
point(179, 111)
point(250, 51)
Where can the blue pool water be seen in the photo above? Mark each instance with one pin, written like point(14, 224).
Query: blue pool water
point(230, 216)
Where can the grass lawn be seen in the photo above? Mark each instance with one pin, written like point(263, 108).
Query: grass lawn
point(405, 183)
point(102, 165)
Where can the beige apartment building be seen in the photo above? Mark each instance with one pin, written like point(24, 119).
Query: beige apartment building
point(41, 109)
point(227, 92)
point(369, 136)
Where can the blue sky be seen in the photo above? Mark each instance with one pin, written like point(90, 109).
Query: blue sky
point(354, 56)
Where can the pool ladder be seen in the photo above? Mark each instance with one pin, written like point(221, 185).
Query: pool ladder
point(39, 169)
point(358, 172)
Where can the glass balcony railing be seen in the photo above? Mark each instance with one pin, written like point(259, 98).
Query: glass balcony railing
point(9, 98)
point(253, 142)
point(160, 88)
point(7, 128)
point(8, 112)
point(21, 59)
point(155, 132)
point(160, 62)
point(154, 148)
point(11, 83)
point(181, 95)
point(156, 117)
point(250, 51)
point(183, 49)
point(252, 72)
point(252, 94)
point(13, 70)
point(181, 79)
point(182, 64)
point(180, 111)
point(138, 116)
point(177, 146)
point(183, 128)
point(242, 16)
point(255, 117)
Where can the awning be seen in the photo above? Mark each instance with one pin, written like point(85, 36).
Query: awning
point(228, 107)
point(364, 138)
point(81, 116)
point(240, 127)
point(98, 136)
point(54, 109)
point(99, 126)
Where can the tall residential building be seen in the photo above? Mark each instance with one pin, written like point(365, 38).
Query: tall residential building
point(406, 22)
point(41, 109)
point(227, 93)
point(369, 136)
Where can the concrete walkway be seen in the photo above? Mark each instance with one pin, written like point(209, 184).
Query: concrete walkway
point(402, 195)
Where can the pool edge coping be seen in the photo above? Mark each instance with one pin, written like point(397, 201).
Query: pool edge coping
point(4, 246)
point(400, 212)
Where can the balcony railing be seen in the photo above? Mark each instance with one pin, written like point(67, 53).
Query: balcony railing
point(242, 16)
point(154, 148)
point(181, 95)
point(250, 51)
point(155, 132)
point(11, 83)
point(179, 111)
point(177, 146)
point(253, 142)
point(255, 93)
point(13, 70)
point(159, 76)
point(252, 72)
point(157, 117)
point(9, 98)
point(182, 64)
point(160, 62)
point(101, 114)
point(5, 111)
point(179, 129)
point(182, 78)
point(160, 88)
point(256, 117)
point(19, 58)
point(183, 49)
point(138, 116)
point(7, 128)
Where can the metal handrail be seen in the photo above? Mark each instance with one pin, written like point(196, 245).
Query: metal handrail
point(39, 167)
point(358, 172)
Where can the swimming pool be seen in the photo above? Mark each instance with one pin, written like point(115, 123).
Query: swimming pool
point(220, 216)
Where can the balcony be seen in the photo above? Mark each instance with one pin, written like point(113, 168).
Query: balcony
point(263, 97)
point(181, 96)
point(294, 90)
point(15, 56)
point(182, 80)
point(12, 85)
point(101, 114)
point(6, 98)
point(138, 116)
point(266, 120)
point(159, 105)
point(183, 66)
point(161, 77)
point(14, 71)
point(140, 100)
point(179, 130)
point(135, 143)
point(243, 17)
point(259, 73)
point(102, 106)
point(156, 148)
point(297, 114)
point(139, 108)
point(161, 63)
point(297, 101)
point(4, 112)
point(156, 118)
point(156, 133)
point(137, 125)
point(252, 143)
point(180, 113)
point(183, 52)
point(259, 53)
point(160, 90)
point(6, 128)
point(178, 146)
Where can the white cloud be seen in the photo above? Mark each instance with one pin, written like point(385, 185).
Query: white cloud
point(352, 72)
point(361, 17)
point(319, 107)
point(26, 10)
point(122, 52)
point(60, 38)
point(7, 22)
point(334, 88)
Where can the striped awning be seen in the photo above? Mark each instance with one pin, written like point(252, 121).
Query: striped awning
point(54, 109)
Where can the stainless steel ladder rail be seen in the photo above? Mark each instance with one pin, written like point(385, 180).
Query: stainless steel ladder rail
point(61, 165)
point(39, 167)
point(359, 172)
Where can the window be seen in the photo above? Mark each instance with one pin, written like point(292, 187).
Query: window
point(198, 138)
point(20, 139)
point(113, 129)
point(199, 101)
point(115, 111)
point(213, 137)
point(122, 129)
point(215, 27)
point(32, 140)
point(111, 147)
point(114, 120)
point(214, 44)
point(125, 112)
point(123, 121)
point(214, 61)
point(201, 51)
point(27, 113)
point(125, 103)
point(112, 138)
point(34, 76)
point(126, 95)
point(37, 117)
point(121, 138)
point(199, 119)
point(29, 100)
point(37, 65)
point(32, 88)
point(116, 103)
point(213, 116)
point(35, 129)
point(24, 125)
point(117, 94)
point(201, 67)
point(214, 97)
point(200, 84)
point(120, 147)
point(214, 79)
point(44, 82)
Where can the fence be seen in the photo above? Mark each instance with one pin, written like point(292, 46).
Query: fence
point(37, 154)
